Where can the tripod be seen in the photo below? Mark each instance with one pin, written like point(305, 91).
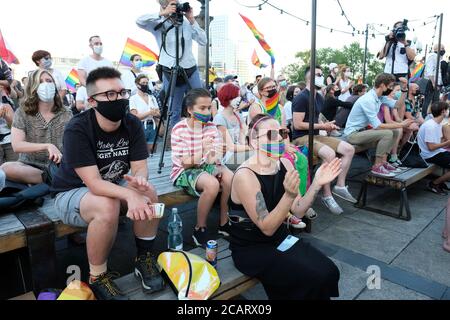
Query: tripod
point(175, 73)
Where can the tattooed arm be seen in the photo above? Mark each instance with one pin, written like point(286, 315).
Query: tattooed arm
point(247, 191)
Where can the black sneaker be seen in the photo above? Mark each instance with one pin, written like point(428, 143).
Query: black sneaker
point(444, 186)
point(436, 189)
point(147, 271)
point(224, 230)
point(104, 288)
point(200, 237)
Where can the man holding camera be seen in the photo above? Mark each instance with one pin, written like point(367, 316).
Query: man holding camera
point(397, 51)
point(161, 25)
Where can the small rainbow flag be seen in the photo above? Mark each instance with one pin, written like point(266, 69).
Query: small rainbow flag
point(72, 80)
point(260, 37)
point(256, 61)
point(273, 108)
point(149, 58)
point(417, 73)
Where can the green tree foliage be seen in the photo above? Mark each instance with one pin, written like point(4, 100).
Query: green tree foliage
point(351, 56)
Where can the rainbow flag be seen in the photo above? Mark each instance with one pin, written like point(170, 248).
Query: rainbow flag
point(260, 37)
point(149, 58)
point(273, 108)
point(256, 62)
point(417, 73)
point(72, 80)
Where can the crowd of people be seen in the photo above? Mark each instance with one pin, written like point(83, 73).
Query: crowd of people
point(245, 143)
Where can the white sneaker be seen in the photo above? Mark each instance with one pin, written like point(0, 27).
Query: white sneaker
point(344, 194)
point(332, 205)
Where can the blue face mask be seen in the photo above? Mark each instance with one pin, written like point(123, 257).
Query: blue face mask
point(139, 65)
point(283, 84)
point(397, 96)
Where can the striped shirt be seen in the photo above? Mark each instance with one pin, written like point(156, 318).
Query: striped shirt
point(187, 141)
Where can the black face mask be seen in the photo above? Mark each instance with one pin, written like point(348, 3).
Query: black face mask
point(113, 110)
point(442, 53)
point(387, 92)
point(272, 93)
point(417, 93)
point(144, 89)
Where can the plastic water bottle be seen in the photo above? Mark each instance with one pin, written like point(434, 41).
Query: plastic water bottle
point(2, 179)
point(175, 228)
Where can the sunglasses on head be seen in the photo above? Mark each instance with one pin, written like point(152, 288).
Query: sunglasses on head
point(273, 135)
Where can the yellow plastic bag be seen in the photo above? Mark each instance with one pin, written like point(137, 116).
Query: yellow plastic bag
point(192, 277)
point(77, 290)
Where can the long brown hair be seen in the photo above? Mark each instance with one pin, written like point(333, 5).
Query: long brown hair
point(31, 102)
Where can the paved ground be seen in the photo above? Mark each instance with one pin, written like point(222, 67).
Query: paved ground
point(409, 255)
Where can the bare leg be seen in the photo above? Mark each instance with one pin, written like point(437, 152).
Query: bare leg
point(102, 215)
point(446, 132)
point(395, 148)
point(227, 177)
point(147, 229)
point(443, 179)
point(327, 154)
point(22, 173)
point(208, 187)
point(446, 231)
point(347, 151)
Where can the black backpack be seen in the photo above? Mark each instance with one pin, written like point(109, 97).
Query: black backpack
point(16, 195)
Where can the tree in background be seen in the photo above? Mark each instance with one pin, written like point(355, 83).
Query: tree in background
point(351, 56)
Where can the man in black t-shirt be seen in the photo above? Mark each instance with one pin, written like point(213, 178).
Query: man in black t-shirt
point(101, 146)
point(324, 147)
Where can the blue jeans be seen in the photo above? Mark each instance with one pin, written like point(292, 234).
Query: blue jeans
point(178, 96)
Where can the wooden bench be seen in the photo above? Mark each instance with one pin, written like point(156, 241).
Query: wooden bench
point(400, 182)
point(233, 282)
point(38, 228)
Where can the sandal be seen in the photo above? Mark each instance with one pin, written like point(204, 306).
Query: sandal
point(436, 189)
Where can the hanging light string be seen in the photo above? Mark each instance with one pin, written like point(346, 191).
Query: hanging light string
point(434, 34)
point(345, 16)
point(355, 31)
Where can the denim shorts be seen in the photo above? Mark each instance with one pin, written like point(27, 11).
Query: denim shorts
point(67, 206)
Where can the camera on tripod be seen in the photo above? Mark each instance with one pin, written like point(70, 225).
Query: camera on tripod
point(399, 32)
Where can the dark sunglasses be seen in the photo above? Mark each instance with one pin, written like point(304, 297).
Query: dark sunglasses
point(272, 135)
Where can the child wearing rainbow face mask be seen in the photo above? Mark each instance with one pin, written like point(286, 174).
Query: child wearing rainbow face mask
point(197, 149)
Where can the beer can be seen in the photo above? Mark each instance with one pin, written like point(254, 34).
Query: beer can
point(211, 252)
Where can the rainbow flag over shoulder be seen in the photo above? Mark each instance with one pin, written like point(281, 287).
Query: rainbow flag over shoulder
point(260, 37)
point(72, 80)
point(256, 62)
point(417, 73)
point(149, 58)
point(273, 108)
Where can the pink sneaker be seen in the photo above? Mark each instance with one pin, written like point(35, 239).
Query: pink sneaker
point(381, 171)
point(391, 168)
point(295, 222)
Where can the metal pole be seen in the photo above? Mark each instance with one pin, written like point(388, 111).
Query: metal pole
point(365, 54)
point(438, 69)
point(207, 22)
point(312, 87)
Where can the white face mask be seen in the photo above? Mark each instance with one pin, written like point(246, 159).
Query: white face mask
point(98, 50)
point(47, 63)
point(235, 102)
point(319, 81)
point(46, 91)
point(348, 74)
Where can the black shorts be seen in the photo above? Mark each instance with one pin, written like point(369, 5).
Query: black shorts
point(441, 159)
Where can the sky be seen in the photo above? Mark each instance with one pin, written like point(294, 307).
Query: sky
point(64, 30)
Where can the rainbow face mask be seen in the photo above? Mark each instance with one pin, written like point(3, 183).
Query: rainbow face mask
point(203, 118)
point(274, 150)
